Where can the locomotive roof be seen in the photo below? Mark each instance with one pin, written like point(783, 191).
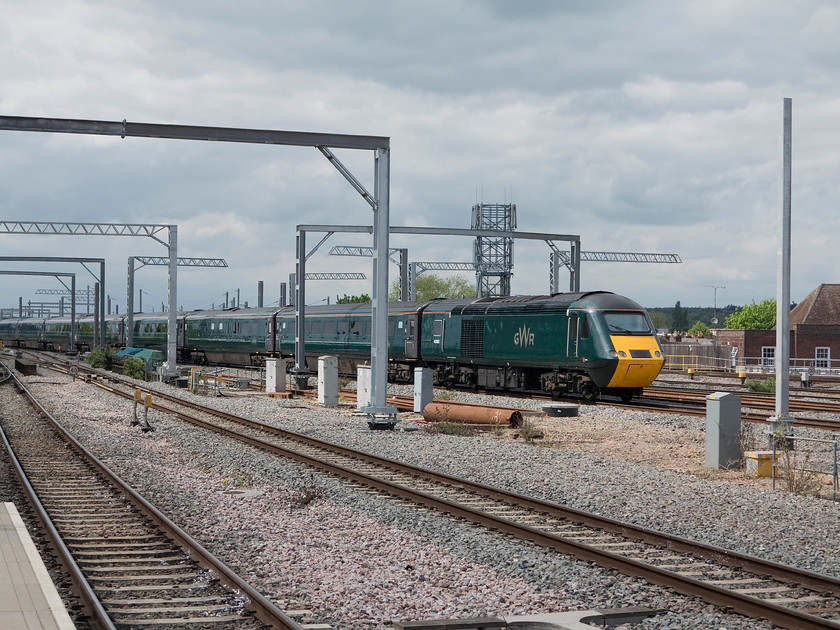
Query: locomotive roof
point(558, 302)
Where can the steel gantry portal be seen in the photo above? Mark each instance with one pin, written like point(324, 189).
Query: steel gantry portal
point(559, 257)
point(136, 262)
point(99, 315)
point(325, 143)
point(113, 229)
point(58, 275)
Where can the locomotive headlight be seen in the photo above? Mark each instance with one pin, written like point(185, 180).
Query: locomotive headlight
point(621, 353)
point(613, 354)
point(657, 353)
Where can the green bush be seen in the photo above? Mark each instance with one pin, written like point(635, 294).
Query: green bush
point(134, 368)
point(700, 329)
point(767, 385)
point(100, 358)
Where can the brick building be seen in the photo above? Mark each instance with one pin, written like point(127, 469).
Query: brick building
point(814, 334)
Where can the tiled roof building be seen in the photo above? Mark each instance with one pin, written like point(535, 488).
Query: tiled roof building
point(814, 333)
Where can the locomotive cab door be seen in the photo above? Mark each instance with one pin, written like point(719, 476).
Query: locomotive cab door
point(572, 336)
point(578, 332)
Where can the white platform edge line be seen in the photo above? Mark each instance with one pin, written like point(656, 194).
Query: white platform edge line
point(57, 607)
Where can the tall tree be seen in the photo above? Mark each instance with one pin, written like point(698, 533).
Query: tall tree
point(679, 317)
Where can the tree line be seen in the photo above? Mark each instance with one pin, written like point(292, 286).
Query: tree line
point(761, 316)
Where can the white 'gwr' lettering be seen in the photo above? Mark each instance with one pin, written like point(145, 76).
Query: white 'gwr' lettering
point(523, 337)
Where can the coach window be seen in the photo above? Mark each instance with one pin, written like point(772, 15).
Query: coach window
point(329, 328)
point(342, 328)
point(437, 328)
point(391, 328)
point(317, 328)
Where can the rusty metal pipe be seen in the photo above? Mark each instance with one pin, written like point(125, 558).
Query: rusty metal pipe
point(472, 414)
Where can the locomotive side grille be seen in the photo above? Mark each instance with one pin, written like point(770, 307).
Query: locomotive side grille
point(472, 339)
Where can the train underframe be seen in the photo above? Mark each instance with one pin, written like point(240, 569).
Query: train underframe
point(556, 382)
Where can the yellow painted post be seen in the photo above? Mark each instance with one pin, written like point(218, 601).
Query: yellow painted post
point(146, 413)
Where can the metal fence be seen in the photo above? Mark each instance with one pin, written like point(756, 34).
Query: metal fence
point(828, 459)
point(747, 365)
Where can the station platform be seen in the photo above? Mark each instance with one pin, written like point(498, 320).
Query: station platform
point(28, 597)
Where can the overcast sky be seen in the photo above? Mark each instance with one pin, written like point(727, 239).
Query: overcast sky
point(640, 126)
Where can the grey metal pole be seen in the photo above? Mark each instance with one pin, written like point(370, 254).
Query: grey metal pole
point(73, 313)
point(129, 304)
point(301, 377)
point(283, 301)
point(412, 282)
point(403, 274)
point(61, 306)
point(379, 314)
point(783, 272)
point(172, 328)
point(238, 300)
point(20, 307)
point(102, 303)
point(97, 323)
point(260, 294)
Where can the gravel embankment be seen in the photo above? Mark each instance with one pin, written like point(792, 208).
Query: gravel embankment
point(358, 560)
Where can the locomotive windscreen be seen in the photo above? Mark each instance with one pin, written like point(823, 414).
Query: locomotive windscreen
point(627, 323)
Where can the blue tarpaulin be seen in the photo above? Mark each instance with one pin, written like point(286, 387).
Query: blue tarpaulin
point(126, 352)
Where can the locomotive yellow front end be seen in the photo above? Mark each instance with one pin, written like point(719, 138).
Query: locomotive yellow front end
point(639, 360)
point(636, 353)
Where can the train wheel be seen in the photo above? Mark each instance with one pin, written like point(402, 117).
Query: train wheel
point(589, 391)
point(627, 394)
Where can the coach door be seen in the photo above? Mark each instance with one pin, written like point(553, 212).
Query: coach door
point(411, 337)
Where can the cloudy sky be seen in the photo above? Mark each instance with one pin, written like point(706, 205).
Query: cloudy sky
point(641, 126)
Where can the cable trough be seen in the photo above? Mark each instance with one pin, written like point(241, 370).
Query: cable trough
point(787, 596)
point(132, 566)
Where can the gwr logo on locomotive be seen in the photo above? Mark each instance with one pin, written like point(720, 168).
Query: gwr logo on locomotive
point(523, 337)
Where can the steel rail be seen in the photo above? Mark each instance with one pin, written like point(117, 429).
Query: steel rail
point(263, 609)
point(745, 604)
point(80, 586)
point(697, 409)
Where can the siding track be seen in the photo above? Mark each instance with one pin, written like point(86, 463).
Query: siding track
point(131, 565)
point(787, 596)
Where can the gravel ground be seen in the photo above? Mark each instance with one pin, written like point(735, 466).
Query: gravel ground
point(358, 560)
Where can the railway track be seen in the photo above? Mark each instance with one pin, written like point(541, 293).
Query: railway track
point(692, 402)
point(132, 566)
point(787, 596)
